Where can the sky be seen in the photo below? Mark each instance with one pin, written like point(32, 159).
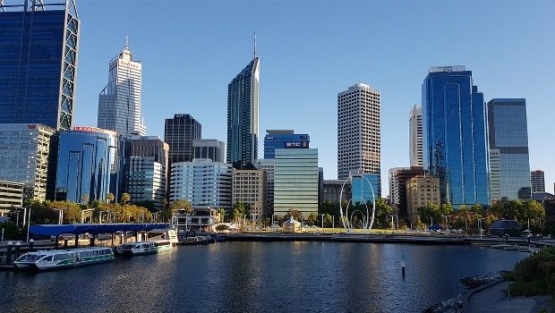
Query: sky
point(312, 50)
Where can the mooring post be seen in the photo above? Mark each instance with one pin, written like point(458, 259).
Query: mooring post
point(403, 266)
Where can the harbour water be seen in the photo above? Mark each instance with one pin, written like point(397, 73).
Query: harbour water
point(259, 277)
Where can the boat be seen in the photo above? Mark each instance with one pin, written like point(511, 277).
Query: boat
point(197, 240)
point(137, 248)
point(58, 259)
point(164, 239)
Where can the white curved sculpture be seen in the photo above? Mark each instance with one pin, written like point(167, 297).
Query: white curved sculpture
point(346, 222)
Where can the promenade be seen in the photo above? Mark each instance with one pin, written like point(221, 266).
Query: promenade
point(493, 298)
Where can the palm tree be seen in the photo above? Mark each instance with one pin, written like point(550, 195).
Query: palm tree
point(110, 198)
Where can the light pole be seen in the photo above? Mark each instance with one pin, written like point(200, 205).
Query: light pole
point(322, 221)
point(253, 215)
point(29, 224)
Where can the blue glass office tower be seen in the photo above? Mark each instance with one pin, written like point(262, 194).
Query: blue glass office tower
point(455, 135)
point(509, 158)
point(38, 63)
point(364, 188)
point(283, 139)
point(242, 115)
point(89, 162)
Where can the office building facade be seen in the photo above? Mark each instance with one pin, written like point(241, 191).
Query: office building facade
point(283, 139)
point(399, 178)
point(268, 166)
point(421, 190)
point(242, 115)
point(455, 135)
point(509, 157)
point(89, 165)
point(119, 103)
point(250, 187)
point(358, 137)
point(537, 178)
point(296, 175)
point(11, 196)
point(179, 133)
point(415, 136)
point(202, 182)
point(209, 149)
point(38, 63)
point(335, 191)
point(146, 169)
point(27, 155)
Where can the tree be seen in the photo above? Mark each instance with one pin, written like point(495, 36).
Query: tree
point(181, 206)
point(312, 218)
point(125, 197)
point(110, 198)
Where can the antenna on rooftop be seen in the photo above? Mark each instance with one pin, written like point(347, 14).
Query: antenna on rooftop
point(127, 42)
point(255, 44)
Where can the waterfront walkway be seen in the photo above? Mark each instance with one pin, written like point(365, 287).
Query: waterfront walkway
point(493, 298)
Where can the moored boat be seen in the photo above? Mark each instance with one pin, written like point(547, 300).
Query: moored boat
point(59, 259)
point(137, 248)
point(197, 240)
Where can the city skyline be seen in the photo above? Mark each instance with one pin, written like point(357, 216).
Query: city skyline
point(325, 56)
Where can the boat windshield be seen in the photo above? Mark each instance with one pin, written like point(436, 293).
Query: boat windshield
point(30, 257)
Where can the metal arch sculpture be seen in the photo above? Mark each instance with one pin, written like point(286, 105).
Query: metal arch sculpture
point(345, 216)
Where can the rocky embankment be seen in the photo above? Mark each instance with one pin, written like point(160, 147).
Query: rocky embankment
point(454, 305)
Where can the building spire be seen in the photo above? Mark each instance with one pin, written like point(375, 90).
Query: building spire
point(255, 44)
point(126, 43)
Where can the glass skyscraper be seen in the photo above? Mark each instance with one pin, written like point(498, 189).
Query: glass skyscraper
point(296, 176)
point(179, 133)
point(119, 103)
point(242, 115)
point(455, 135)
point(89, 162)
point(38, 63)
point(280, 139)
point(509, 158)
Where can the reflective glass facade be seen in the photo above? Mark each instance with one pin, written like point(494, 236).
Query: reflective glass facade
point(508, 139)
point(296, 177)
point(89, 162)
point(38, 65)
point(242, 115)
point(455, 136)
point(27, 155)
point(283, 140)
point(364, 188)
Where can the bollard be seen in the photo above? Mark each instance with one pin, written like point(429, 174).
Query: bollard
point(403, 266)
point(31, 243)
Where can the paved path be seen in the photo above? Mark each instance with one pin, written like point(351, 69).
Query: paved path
point(492, 299)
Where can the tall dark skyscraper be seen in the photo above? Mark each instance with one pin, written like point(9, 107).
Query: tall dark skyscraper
point(508, 142)
point(179, 133)
point(455, 135)
point(242, 115)
point(38, 63)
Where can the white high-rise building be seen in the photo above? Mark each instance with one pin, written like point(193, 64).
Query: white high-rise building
point(358, 132)
point(119, 103)
point(202, 182)
point(415, 136)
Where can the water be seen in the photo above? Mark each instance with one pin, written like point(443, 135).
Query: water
point(259, 277)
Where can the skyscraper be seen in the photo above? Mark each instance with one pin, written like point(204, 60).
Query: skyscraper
point(119, 103)
point(455, 135)
point(89, 164)
point(538, 181)
point(212, 149)
point(415, 136)
point(38, 63)
point(279, 139)
point(179, 133)
point(242, 115)
point(358, 132)
point(509, 158)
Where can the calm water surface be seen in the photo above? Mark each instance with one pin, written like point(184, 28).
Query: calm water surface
point(259, 277)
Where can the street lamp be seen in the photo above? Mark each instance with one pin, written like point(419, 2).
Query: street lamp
point(322, 221)
point(83, 215)
point(29, 224)
point(253, 215)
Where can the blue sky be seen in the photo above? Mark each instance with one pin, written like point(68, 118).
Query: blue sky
point(310, 51)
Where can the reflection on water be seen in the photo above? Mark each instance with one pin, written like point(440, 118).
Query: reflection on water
point(259, 277)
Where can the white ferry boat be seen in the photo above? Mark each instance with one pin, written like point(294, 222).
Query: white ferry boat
point(58, 259)
point(164, 239)
point(137, 248)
